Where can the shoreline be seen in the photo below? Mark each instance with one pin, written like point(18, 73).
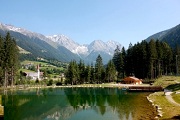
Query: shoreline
point(24, 87)
point(157, 107)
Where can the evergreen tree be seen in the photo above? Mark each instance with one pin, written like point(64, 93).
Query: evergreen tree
point(167, 58)
point(9, 60)
point(119, 61)
point(122, 62)
point(143, 63)
point(176, 63)
point(81, 67)
point(99, 69)
point(88, 74)
point(129, 61)
point(1, 59)
point(72, 73)
point(152, 55)
point(92, 78)
point(116, 59)
point(110, 71)
point(159, 57)
point(121, 66)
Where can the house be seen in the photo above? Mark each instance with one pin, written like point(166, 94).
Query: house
point(132, 80)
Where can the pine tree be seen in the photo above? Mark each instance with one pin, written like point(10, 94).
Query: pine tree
point(7, 58)
point(111, 71)
point(176, 63)
point(10, 59)
point(159, 57)
point(123, 61)
point(129, 61)
point(116, 59)
point(99, 69)
point(81, 67)
point(92, 78)
point(144, 59)
point(1, 59)
point(152, 55)
point(72, 73)
point(167, 58)
point(88, 74)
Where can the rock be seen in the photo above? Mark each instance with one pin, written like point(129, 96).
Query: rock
point(156, 117)
point(159, 115)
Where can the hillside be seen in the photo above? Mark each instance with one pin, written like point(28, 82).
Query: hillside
point(40, 48)
point(171, 36)
point(157, 35)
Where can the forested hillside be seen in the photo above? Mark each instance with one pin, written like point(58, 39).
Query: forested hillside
point(40, 48)
point(171, 36)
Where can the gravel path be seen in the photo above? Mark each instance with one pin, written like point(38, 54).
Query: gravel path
point(170, 99)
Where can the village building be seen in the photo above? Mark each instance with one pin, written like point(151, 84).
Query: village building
point(34, 75)
point(132, 80)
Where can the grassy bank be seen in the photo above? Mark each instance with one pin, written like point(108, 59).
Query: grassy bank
point(169, 110)
point(176, 97)
point(1, 108)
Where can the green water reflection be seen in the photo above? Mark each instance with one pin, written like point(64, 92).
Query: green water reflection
point(76, 104)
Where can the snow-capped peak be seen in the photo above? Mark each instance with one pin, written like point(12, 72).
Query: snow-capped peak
point(68, 43)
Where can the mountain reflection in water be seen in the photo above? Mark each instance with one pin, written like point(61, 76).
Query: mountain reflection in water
point(76, 103)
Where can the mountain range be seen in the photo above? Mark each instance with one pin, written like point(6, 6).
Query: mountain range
point(62, 48)
point(58, 47)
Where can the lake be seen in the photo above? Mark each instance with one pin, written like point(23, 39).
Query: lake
point(77, 104)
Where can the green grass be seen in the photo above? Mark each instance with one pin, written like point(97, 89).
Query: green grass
point(0, 100)
point(176, 97)
point(22, 51)
point(34, 62)
point(25, 70)
point(172, 83)
point(169, 110)
point(44, 65)
point(166, 81)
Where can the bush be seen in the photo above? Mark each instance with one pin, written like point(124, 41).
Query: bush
point(37, 81)
point(58, 84)
point(50, 82)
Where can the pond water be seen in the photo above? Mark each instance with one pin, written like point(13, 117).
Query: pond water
point(77, 104)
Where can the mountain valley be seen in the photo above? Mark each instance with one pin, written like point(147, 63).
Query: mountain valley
point(59, 47)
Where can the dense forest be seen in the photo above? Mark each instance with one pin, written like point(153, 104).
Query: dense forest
point(9, 60)
point(145, 60)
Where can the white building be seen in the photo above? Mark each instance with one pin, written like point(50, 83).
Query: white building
point(35, 75)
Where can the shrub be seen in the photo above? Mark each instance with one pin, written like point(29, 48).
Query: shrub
point(58, 84)
point(50, 82)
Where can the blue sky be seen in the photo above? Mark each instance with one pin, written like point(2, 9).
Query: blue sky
point(83, 21)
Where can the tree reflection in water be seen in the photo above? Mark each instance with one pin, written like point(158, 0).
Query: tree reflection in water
point(118, 100)
point(75, 103)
